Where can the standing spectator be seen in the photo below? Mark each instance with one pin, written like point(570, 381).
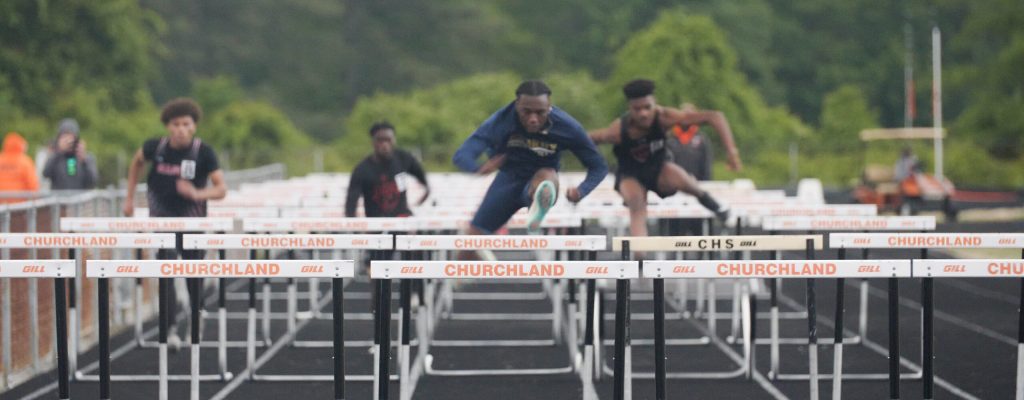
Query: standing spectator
point(69, 166)
point(17, 170)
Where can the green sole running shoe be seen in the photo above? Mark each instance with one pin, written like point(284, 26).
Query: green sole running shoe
point(543, 200)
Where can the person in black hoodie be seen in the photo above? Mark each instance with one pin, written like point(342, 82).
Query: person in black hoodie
point(69, 166)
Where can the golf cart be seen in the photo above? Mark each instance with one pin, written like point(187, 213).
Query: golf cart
point(914, 192)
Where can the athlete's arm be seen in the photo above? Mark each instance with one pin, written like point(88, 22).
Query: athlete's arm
point(416, 169)
point(216, 191)
point(586, 151)
point(481, 140)
point(355, 189)
point(133, 178)
point(609, 134)
point(717, 120)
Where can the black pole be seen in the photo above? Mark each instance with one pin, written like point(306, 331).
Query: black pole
point(339, 338)
point(60, 298)
point(659, 338)
point(812, 315)
point(384, 315)
point(927, 340)
point(840, 306)
point(621, 329)
point(894, 339)
point(104, 314)
point(196, 284)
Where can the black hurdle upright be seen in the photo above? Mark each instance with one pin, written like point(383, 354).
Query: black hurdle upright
point(622, 383)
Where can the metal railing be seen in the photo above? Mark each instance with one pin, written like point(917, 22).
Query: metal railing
point(23, 314)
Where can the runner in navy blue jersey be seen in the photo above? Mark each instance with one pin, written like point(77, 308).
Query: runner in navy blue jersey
point(525, 141)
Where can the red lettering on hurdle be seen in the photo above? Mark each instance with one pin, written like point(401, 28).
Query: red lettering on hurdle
point(1007, 241)
point(127, 269)
point(684, 269)
point(574, 243)
point(597, 271)
point(862, 241)
point(34, 269)
point(215, 242)
point(312, 269)
point(428, 243)
point(360, 242)
point(954, 268)
point(869, 268)
point(412, 270)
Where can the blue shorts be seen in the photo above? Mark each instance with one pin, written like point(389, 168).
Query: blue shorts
point(507, 194)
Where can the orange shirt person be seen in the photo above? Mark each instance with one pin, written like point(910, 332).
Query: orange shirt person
point(17, 170)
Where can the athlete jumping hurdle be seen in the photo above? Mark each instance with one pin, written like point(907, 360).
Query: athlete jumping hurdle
point(524, 141)
point(639, 146)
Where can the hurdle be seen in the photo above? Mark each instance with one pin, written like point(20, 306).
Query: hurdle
point(103, 270)
point(975, 268)
point(384, 271)
point(706, 244)
point(834, 224)
point(253, 242)
point(177, 226)
point(924, 242)
point(79, 242)
point(58, 270)
point(777, 269)
point(319, 226)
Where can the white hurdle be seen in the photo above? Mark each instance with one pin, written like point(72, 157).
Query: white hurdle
point(835, 224)
point(780, 269)
point(57, 270)
point(76, 243)
point(627, 245)
point(922, 241)
point(104, 270)
point(384, 271)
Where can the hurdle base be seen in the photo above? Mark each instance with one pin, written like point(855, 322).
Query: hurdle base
point(905, 376)
point(156, 378)
point(429, 370)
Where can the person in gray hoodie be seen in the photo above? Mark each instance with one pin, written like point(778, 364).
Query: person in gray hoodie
point(69, 166)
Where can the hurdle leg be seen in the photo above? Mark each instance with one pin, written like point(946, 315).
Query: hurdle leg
point(384, 349)
point(600, 334)
point(622, 384)
point(712, 309)
point(837, 362)
point(700, 303)
point(314, 297)
point(164, 325)
point(750, 340)
point(103, 293)
point(222, 328)
point(862, 323)
point(556, 310)
point(894, 339)
point(1020, 343)
point(659, 339)
point(250, 331)
point(774, 328)
point(339, 338)
point(927, 340)
point(60, 307)
point(405, 389)
point(139, 301)
point(292, 304)
point(588, 344)
point(735, 315)
point(266, 311)
point(812, 339)
point(196, 284)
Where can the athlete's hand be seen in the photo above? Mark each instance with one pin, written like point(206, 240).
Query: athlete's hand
point(186, 189)
point(573, 195)
point(491, 165)
point(734, 160)
point(129, 207)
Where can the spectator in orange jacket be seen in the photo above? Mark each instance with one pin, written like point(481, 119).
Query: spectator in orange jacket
point(17, 171)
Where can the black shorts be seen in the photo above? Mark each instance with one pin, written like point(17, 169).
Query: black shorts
point(648, 177)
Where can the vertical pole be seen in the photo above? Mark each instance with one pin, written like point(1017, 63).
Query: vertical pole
point(837, 359)
point(937, 98)
point(104, 328)
point(339, 338)
point(927, 341)
point(60, 306)
point(812, 328)
point(621, 330)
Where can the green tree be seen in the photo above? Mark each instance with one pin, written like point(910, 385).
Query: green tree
point(844, 113)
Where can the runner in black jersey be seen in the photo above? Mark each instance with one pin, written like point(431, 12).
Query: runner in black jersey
point(639, 146)
point(383, 177)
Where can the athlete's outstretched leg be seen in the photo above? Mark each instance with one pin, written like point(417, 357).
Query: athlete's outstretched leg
point(634, 194)
point(674, 179)
point(542, 195)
